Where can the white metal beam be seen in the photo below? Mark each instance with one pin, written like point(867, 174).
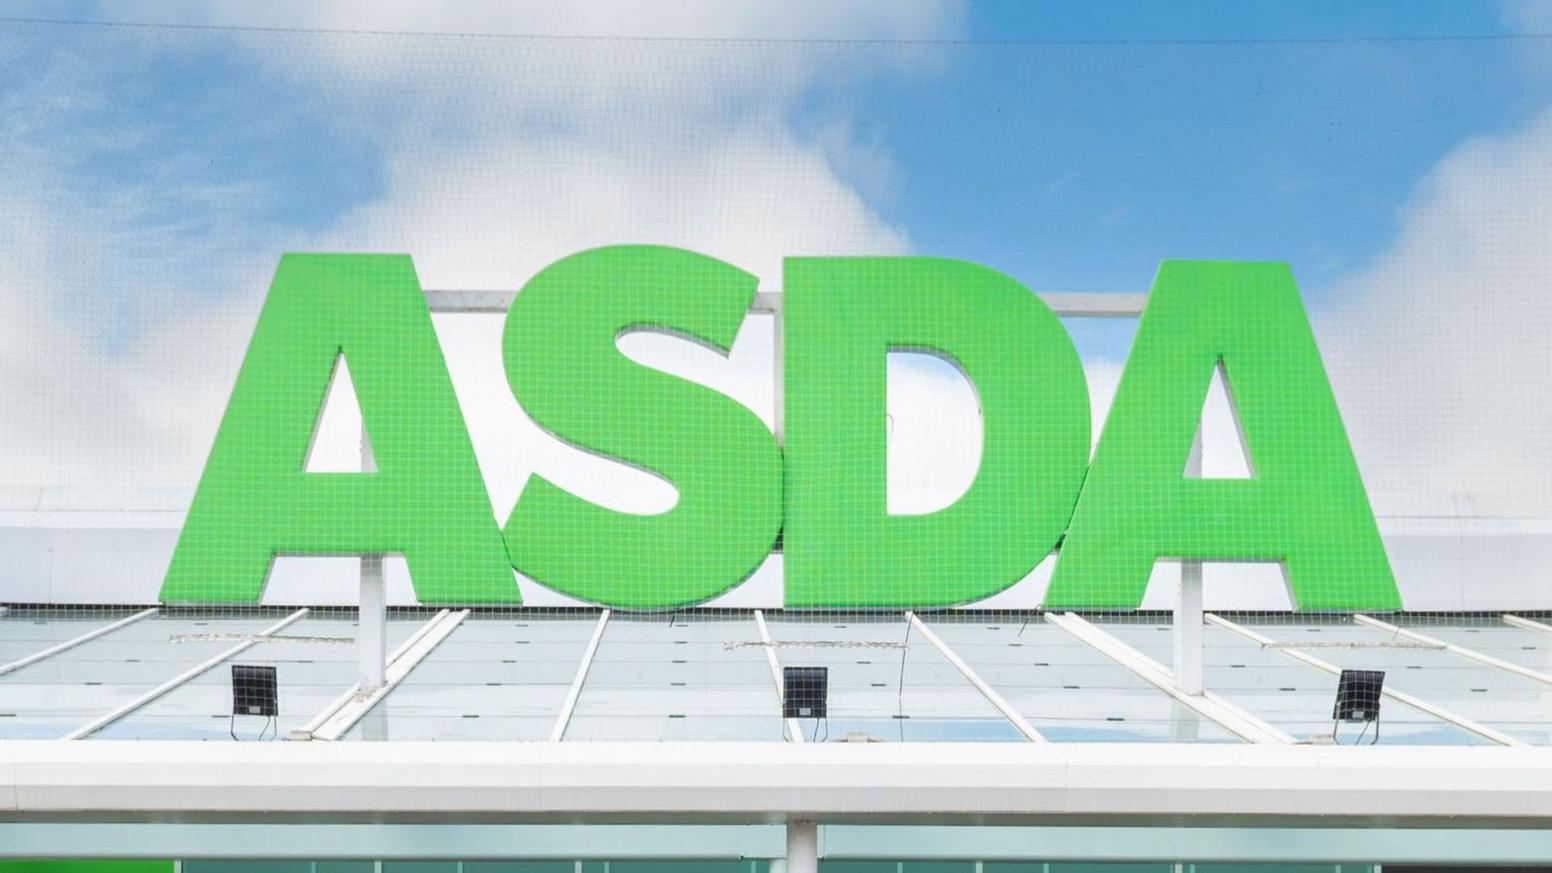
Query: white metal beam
point(1417, 703)
point(1064, 304)
point(1186, 625)
point(1462, 651)
point(794, 727)
point(1174, 784)
point(75, 641)
point(355, 692)
point(564, 717)
point(114, 715)
point(1210, 706)
point(987, 691)
point(1526, 624)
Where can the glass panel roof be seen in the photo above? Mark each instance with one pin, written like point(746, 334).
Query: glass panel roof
point(52, 697)
point(1284, 692)
point(678, 677)
point(1067, 690)
point(496, 677)
point(310, 675)
point(704, 676)
point(1520, 707)
point(886, 682)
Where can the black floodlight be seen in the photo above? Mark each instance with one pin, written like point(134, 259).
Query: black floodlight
point(254, 690)
point(807, 692)
point(1358, 700)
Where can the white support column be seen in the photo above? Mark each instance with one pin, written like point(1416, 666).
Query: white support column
point(770, 302)
point(354, 694)
point(408, 656)
point(75, 641)
point(1187, 624)
point(802, 846)
point(372, 619)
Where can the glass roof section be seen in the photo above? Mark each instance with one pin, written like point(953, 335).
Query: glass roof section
point(678, 677)
point(1293, 696)
point(886, 682)
point(499, 676)
point(707, 676)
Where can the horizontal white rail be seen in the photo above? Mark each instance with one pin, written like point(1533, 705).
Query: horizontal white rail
point(75, 641)
point(1064, 304)
point(1170, 784)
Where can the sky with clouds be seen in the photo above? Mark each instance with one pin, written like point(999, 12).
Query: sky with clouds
point(1393, 153)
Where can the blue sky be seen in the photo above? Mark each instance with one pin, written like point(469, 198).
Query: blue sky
point(1074, 157)
point(149, 176)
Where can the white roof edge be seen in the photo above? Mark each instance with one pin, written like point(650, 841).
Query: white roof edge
point(952, 782)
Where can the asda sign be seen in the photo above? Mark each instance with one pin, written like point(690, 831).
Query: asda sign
point(822, 492)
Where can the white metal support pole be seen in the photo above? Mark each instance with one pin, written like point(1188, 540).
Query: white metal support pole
point(1187, 631)
point(771, 302)
point(372, 620)
point(802, 847)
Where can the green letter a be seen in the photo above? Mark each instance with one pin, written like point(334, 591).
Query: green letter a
point(1305, 505)
point(427, 499)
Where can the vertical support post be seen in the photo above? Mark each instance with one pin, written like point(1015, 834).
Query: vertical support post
point(802, 846)
point(1187, 627)
point(778, 394)
point(372, 620)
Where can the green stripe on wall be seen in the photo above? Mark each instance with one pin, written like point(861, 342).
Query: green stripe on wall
point(84, 866)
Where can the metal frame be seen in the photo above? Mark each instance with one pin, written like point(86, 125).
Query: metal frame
point(114, 715)
point(563, 719)
point(1462, 651)
point(1063, 304)
point(76, 641)
point(1439, 712)
point(1206, 704)
point(987, 691)
point(794, 727)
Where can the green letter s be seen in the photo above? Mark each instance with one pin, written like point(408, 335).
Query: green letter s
point(571, 379)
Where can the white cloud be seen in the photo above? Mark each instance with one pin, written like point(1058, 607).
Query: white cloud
point(498, 155)
point(1440, 352)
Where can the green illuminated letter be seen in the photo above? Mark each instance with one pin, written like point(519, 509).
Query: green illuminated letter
point(426, 500)
point(568, 375)
point(842, 318)
point(1304, 505)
